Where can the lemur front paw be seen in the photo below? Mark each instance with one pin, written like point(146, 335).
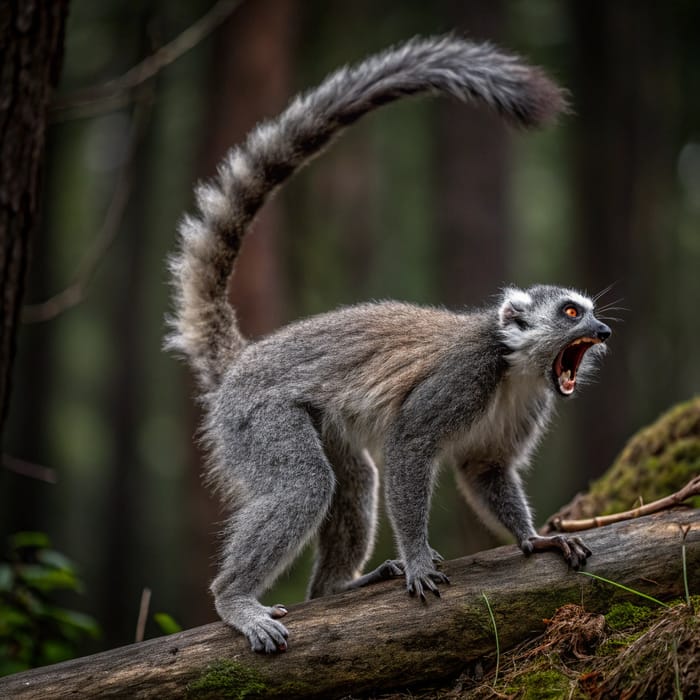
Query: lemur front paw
point(572, 548)
point(259, 623)
point(421, 577)
point(267, 635)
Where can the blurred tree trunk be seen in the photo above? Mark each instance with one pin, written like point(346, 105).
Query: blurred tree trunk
point(250, 80)
point(31, 49)
point(624, 80)
point(126, 539)
point(473, 156)
point(24, 502)
point(473, 220)
point(124, 535)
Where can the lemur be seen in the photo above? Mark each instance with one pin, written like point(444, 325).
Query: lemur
point(295, 423)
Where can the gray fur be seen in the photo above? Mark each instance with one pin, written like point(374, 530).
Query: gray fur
point(296, 422)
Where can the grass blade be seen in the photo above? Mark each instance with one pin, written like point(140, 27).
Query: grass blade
point(495, 632)
point(625, 588)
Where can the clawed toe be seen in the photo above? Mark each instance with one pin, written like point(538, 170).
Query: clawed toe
point(419, 583)
point(436, 556)
point(391, 568)
point(572, 548)
point(278, 610)
point(268, 636)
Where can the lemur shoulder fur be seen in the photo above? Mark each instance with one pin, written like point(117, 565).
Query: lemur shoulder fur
point(296, 422)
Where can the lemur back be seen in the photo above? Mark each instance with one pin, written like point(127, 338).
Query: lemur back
point(295, 422)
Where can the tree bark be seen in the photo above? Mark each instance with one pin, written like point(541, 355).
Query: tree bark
point(31, 46)
point(377, 638)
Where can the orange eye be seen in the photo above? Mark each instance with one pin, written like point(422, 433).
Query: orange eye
point(571, 311)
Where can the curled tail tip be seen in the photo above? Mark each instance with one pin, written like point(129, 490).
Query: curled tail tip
point(543, 103)
point(523, 94)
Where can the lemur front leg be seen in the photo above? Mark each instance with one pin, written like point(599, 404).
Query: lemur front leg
point(409, 474)
point(496, 492)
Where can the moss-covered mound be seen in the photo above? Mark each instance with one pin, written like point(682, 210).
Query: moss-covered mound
point(657, 461)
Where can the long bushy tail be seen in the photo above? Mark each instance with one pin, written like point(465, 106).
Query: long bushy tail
point(204, 326)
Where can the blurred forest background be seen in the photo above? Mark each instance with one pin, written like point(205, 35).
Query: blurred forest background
point(427, 201)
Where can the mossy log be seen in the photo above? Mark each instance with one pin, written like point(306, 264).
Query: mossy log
point(377, 638)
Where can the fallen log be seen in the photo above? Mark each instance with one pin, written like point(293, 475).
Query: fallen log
point(376, 638)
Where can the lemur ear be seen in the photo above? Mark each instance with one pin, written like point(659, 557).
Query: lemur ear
point(515, 303)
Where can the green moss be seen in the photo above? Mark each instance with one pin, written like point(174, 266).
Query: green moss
point(612, 647)
point(617, 644)
point(547, 684)
point(227, 679)
point(625, 615)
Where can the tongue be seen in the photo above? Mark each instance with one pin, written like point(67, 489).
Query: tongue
point(566, 382)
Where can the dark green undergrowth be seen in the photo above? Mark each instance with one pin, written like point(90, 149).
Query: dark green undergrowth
point(35, 629)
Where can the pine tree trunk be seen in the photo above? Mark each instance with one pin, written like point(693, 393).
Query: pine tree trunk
point(31, 47)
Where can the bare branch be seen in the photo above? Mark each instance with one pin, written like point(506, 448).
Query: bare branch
point(29, 469)
point(115, 93)
point(692, 488)
point(76, 291)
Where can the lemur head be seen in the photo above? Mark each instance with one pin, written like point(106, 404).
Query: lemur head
point(552, 332)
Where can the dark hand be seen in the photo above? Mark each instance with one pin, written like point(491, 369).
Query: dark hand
point(572, 548)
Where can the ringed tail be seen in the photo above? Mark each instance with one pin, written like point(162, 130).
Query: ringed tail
point(203, 327)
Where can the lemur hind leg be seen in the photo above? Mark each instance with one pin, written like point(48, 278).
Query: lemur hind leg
point(275, 521)
point(391, 568)
point(346, 536)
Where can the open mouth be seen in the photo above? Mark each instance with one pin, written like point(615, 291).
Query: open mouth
point(567, 363)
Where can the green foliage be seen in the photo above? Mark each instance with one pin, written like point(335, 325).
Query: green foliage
point(166, 623)
point(34, 629)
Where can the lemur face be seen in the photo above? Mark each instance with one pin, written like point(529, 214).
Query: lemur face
point(550, 330)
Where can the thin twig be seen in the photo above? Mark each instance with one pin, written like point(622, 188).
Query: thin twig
point(116, 92)
point(143, 614)
point(76, 291)
point(692, 488)
point(29, 469)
